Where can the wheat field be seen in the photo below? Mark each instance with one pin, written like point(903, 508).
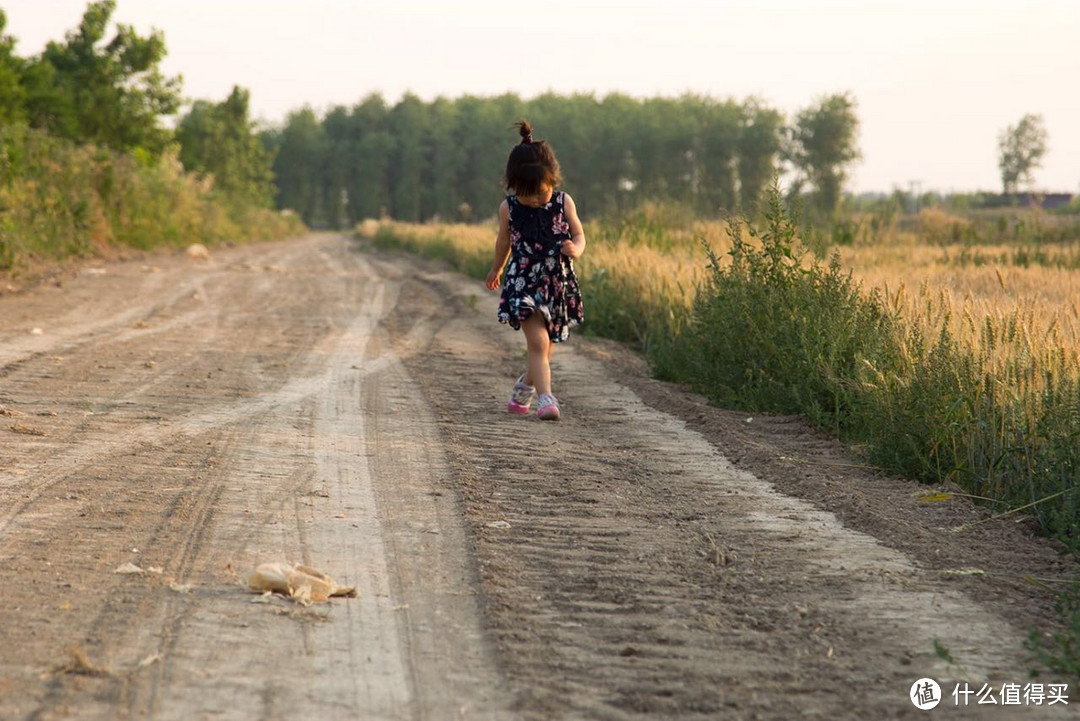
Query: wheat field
point(925, 282)
point(985, 370)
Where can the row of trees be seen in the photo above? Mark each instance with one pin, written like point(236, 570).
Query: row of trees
point(110, 91)
point(417, 160)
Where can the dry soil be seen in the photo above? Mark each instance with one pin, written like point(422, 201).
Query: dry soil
point(647, 557)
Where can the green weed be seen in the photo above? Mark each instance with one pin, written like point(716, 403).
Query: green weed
point(1059, 652)
point(989, 403)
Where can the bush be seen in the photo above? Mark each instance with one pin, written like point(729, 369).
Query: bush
point(59, 200)
point(1060, 651)
point(987, 404)
point(776, 333)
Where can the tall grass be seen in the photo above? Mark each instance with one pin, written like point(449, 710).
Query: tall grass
point(59, 199)
point(930, 387)
point(934, 225)
point(634, 291)
point(974, 377)
point(775, 331)
point(969, 378)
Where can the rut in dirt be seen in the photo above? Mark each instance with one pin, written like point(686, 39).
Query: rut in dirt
point(195, 422)
point(633, 572)
point(316, 401)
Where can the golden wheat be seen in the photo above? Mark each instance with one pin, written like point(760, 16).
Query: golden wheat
point(999, 312)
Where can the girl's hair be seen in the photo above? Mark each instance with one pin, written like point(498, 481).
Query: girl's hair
point(531, 164)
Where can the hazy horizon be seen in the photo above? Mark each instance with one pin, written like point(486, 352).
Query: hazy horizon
point(935, 83)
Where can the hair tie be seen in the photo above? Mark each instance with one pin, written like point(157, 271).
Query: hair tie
point(527, 139)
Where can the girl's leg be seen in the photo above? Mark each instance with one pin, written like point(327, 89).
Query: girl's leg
point(528, 377)
point(539, 345)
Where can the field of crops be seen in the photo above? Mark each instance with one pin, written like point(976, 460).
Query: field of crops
point(947, 349)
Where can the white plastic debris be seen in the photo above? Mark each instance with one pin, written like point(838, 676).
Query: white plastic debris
point(128, 569)
point(198, 251)
point(300, 583)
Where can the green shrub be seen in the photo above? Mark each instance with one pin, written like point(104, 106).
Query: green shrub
point(776, 329)
point(773, 332)
point(1060, 651)
point(59, 199)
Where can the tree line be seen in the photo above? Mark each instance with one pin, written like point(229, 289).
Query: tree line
point(87, 160)
point(417, 160)
point(109, 91)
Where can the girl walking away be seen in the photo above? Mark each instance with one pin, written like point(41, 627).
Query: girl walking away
point(540, 234)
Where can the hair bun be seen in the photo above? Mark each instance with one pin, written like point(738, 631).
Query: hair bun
point(525, 129)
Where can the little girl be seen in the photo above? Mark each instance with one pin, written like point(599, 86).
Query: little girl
point(540, 233)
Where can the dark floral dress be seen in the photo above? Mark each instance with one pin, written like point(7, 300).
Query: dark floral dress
point(539, 278)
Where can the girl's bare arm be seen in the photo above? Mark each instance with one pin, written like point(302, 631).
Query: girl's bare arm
point(576, 245)
point(502, 247)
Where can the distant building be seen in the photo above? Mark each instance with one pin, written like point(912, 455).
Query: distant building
point(1046, 201)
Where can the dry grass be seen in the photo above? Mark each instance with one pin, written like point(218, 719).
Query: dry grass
point(80, 664)
point(17, 427)
point(1018, 328)
point(1040, 304)
point(971, 374)
point(1022, 324)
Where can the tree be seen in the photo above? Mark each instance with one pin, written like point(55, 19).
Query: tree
point(486, 139)
point(611, 162)
point(12, 95)
point(112, 93)
point(664, 143)
point(373, 149)
point(409, 122)
point(298, 167)
point(445, 161)
point(718, 155)
point(759, 146)
point(822, 145)
point(338, 166)
point(221, 140)
point(1021, 148)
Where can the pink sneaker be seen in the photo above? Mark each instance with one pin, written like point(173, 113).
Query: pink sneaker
point(548, 410)
point(521, 397)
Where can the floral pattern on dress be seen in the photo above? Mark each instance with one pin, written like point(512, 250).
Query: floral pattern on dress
point(559, 226)
point(539, 278)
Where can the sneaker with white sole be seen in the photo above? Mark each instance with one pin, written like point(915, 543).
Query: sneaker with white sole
point(521, 397)
point(548, 410)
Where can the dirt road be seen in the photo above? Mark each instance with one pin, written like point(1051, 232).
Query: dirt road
point(646, 557)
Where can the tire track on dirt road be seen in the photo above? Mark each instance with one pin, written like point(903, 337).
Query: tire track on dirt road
point(172, 536)
point(632, 572)
point(264, 448)
point(315, 401)
point(391, 659)
point(99, 329)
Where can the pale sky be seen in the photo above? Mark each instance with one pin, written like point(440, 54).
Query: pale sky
point(935, 81)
